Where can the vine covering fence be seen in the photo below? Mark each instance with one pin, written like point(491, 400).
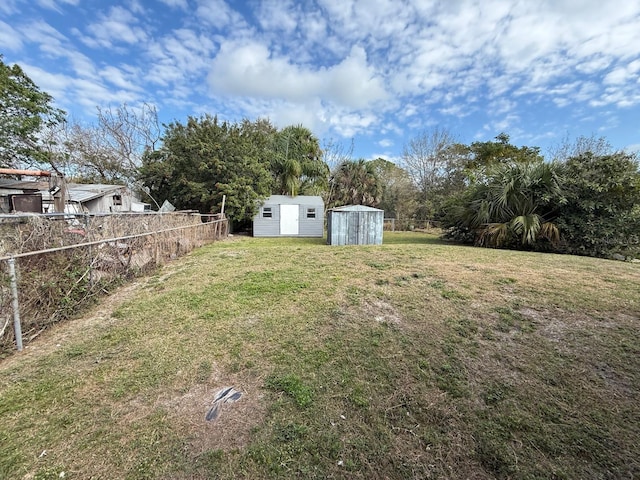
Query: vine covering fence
point(52, 267)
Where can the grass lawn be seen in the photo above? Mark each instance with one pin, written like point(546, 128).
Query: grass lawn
point(414, 359)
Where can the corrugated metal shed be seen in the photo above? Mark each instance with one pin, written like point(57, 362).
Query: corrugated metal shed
point(355, 225)
point(284, 216)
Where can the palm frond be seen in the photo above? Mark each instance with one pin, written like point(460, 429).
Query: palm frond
point(550, 231)
point(527, 226)
point(494, 235)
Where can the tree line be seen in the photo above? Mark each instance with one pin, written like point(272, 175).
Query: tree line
point(584, 198)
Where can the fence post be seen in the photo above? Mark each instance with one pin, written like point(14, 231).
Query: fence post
point(17, 328)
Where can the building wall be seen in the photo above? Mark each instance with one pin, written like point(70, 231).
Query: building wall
point(311, 227)
point(307, 227)
point(267, 227)
point(355, 227)
point(112, 202)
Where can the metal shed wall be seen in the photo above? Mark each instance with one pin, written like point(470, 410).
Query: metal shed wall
point(307, 227)
point(355, 225)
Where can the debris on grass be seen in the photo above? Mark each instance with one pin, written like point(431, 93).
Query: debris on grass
point(224, 395)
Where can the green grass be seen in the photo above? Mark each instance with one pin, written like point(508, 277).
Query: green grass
point(414, 359)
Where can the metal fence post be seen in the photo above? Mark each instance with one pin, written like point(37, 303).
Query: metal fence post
point(17, 328)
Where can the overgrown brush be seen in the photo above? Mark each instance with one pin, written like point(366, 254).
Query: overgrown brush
point(56, 283)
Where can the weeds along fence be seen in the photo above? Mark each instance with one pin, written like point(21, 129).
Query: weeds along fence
point(54, 266)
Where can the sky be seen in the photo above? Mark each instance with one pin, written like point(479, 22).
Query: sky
point(377, 73)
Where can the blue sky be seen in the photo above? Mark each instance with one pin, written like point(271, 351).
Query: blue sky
point(379, 72)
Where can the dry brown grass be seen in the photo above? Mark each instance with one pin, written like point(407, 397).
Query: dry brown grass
point(417, 359)
point(55, 285)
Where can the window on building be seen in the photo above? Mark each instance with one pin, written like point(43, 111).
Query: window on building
point(266, 212)
point(117, 199)
point(311, 213)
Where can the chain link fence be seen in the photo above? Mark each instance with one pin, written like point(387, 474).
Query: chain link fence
point(54, 266)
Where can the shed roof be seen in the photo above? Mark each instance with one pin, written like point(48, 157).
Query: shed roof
point(355, 208)
point(81, 192)
point(298, 200)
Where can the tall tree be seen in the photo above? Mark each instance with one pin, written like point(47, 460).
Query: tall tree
point(581, 145)
point(602, 213)
point(399, 197)
point(355, 182)
point(111, 150)
point(485, 155)
point(334, 153)
point(25, 111)
point(425, 158)
point(434, 161)
point(297, 164)
point(204, 159)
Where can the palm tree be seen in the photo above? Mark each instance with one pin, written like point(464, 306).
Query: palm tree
point(355, 182)
point(515, 204)
point(297, 163)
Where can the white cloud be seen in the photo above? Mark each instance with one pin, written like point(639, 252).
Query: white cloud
point(459, 110)
point(597, 63)
point(81, 65)
point(623, 74)
point(178, 61)
point(397, 159)
point(53, 4)
point(277, 15)
point(120, 78)
point(506, 123)
point(117, 27)
point(83, 92)
point(9, 38)
point(57, 46)
point(218, 14)
point(633, 148)
point(250, 69)
point(617, 76)
point(182, 4)
point(343, 66)
point(9, 7)
point(350, 124)
point(48, 38)
point(91, 94)
point(185, 49)
point(54, 84)
point(391, 127)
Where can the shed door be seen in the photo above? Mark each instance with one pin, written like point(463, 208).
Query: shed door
point(289, 219)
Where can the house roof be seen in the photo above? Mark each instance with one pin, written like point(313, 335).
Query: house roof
point(20, 185)
point(298, 200)
point(355, 208)
point(79, 192)
point(76, 192)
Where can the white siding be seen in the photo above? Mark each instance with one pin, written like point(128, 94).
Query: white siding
point(308, 226)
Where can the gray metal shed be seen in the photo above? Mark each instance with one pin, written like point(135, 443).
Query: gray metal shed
point(355, 225)
point(284, 216)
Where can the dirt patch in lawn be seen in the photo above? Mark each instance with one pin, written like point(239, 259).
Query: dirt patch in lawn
point(382, 312)
point(231, 430)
